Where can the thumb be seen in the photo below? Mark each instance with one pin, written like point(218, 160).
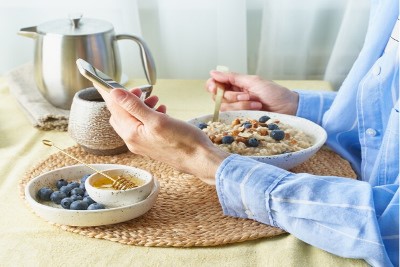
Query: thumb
point(131, 103)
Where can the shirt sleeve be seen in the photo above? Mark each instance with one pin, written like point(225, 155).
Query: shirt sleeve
point(386, 200)
point(313, 104)
point(333, 213)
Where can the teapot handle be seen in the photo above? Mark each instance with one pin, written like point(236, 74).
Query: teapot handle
point(147, 58)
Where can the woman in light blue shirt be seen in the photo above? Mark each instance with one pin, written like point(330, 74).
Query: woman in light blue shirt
point(356, 219)
point(349, 218)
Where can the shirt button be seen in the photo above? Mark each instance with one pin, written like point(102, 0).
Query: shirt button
point(370, 132)
point(376, 70)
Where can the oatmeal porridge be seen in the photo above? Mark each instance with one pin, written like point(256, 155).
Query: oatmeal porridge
point(263, 137)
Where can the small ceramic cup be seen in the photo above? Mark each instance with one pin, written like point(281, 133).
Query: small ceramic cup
point(89, 124)
point(115, 198)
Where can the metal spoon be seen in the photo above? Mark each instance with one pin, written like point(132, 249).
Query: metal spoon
point(219, 95)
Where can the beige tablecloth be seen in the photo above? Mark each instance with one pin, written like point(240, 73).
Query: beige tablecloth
point(27, 240)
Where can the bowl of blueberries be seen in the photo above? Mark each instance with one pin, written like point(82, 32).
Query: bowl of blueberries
point(281, 140)
point(59, 196)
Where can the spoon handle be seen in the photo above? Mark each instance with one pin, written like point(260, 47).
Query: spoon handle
point(50, 143)
point(219, 95)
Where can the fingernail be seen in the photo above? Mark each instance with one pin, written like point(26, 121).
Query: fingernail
point(119, 94)
point(243, 97)
point(255, 105)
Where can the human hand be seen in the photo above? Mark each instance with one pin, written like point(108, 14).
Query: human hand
point(246, 92)
point(148, 131)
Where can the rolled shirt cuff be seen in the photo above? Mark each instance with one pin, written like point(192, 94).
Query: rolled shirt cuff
point(244, 187)
point(313, 104)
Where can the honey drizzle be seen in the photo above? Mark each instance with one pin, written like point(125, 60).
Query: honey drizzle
point(105, 183)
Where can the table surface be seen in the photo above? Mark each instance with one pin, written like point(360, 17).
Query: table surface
point(27, 240)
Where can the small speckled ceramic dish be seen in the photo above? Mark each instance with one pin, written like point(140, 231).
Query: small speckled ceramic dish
point(110, 197)
point(286, 160)
point(56, 214)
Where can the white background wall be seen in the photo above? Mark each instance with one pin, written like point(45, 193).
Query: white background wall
point(285, 39)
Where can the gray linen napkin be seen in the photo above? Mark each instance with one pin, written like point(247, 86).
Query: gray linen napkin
point(40, 112)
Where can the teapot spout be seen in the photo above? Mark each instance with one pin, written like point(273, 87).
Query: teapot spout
point(30, 32)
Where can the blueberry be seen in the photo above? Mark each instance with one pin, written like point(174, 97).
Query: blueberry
point(227, 139)
point(253, 142)
point(73, 185)
point(77, 191)
point(96, 206)
point(83, 179)
point(263, 119)
point(273, 126)
point(246, 125)
point(60, 183)
point(57, 196)
point(89, 200)
point(66, 202)
point(82, 186)
point(202, 125)
point(66, 189)
point(44, 193)
point(277, 134)
point(78, 205)
point(76, 197)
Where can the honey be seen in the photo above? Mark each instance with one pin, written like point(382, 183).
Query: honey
point(104, 183)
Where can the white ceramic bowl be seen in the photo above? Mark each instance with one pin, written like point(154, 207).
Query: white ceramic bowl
point(287, 160)
point(115, 198)
point(56, 214)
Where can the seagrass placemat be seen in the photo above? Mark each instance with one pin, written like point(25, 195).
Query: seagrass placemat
point(187, 212)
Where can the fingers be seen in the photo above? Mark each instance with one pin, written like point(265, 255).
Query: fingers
point(232, 96)
point(238, 101)
point(232, 81)
point(136, 91)
point(162, 109)
point(131, 103)
point(150, 101)
point(211, 86)
point(240, 81)
point(123, 122)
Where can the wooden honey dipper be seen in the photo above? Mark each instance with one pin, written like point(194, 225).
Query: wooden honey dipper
point(120, 183)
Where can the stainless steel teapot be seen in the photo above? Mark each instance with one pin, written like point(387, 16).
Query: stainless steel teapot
point(59, 43)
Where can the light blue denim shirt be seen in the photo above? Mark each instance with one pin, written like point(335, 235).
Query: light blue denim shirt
point(347, 217)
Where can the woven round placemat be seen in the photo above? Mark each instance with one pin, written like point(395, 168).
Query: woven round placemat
point(187, 212)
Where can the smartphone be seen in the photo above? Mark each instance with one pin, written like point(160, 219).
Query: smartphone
point(96, 76)
point(104, 81)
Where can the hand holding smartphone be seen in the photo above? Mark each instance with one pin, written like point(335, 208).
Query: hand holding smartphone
point(105, 82)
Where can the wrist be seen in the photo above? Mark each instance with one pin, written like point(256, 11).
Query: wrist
point(290, 104)
point(294, 103)
point(210, 158)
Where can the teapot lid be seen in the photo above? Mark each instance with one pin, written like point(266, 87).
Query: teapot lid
point(75, 26)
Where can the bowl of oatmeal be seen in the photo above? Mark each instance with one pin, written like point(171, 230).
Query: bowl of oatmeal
point(277, 139)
